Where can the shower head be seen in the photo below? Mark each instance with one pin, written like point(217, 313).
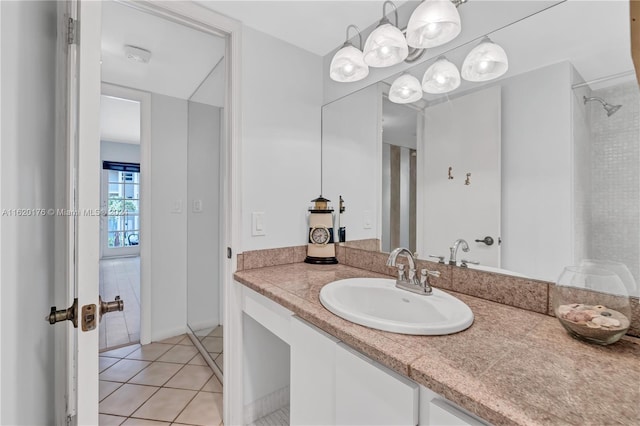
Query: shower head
point(610, 109)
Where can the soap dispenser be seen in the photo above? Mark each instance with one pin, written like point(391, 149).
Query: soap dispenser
point(321, 249)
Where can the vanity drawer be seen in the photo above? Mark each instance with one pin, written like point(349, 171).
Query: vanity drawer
point(270, 314)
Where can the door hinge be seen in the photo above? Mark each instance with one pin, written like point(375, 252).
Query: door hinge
point(72, 31)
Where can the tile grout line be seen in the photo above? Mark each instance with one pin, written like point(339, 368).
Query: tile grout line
point(163, 386)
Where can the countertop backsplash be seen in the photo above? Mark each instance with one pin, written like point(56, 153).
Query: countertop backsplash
point(529, 294)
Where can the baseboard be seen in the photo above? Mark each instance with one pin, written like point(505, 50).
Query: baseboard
point(165, 334)
point(266, 405)
point(202, 325)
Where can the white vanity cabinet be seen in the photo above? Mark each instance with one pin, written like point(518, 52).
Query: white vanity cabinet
point(333, 384)
point(312, 396)
point(437, 411)
point(368, 393)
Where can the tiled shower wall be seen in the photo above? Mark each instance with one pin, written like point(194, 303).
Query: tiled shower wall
point(614, 223)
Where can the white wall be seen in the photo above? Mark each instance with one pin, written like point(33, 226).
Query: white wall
point(117, 151)
point(581, 135)
point(352, 160)
point(203, 255)
point(450, 209)
point(169, 121)
point(266, 361)
point(537, 172)
point(281, 100)
point(28, 181)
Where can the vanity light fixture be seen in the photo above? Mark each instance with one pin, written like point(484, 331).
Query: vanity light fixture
point(441, 77)
point(434, 23)
point(386, 45)
point(485, 62)
point(405, 89)
point(347, 64)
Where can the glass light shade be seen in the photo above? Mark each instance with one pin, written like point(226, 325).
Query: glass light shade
point(441, 77)
point(433, 23)
point(405, 89)
point(485, 62)
point(385, 46)
point(347, 65)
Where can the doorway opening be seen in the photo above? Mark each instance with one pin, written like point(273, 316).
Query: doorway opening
point(164, 211)
point(120, 220)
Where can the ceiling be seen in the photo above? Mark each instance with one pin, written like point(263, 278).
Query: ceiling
point(181, 57)
point(119, 120)
point(316, 26)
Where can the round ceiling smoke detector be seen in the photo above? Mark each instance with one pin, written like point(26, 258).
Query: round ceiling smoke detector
point(137, 54)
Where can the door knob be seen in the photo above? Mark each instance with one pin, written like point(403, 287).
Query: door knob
point(71, 314)
point(487, 240)
point(115, 306)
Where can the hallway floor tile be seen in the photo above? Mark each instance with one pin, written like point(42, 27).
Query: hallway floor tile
point(161, 383)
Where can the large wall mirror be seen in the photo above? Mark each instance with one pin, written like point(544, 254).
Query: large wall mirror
point(523, 159)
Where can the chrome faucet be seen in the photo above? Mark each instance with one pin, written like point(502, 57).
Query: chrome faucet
point(412, 282)
point(391, 261)
point(454, 250)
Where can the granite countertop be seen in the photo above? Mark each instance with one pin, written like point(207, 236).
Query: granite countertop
point(511, 366)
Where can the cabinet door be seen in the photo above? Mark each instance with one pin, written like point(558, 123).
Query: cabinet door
point(312, 375)
point(435, 410)
point(368, 393)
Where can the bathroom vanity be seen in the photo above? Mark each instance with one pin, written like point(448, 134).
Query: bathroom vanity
point(512, 366)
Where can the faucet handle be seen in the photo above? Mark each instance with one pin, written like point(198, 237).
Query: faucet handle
point(425, 272)
point(440, 258)
point(412, 274)
point(463, 263)
point(401, 273)
point(424, 279)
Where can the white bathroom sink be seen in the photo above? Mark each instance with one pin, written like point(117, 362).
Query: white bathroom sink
point(377, 303)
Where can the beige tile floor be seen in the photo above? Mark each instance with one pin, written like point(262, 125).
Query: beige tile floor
point(120, 277)
point(163, 383)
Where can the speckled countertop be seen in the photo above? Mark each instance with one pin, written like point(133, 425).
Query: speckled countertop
point(511, 367)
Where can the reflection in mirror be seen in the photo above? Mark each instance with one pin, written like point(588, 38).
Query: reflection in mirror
point(204, 289)
point(566, 172)
point(399, 144)
point(203, 233)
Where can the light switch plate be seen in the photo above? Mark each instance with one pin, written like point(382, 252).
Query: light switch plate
point(177, 206)
point(197, 206)
point(258, 227)
point(367, 219)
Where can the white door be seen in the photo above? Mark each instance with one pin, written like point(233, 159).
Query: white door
point(82, 101)
point(83, 97)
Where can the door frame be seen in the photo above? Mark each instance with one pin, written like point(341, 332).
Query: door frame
point(198, 16)
point(145, 199)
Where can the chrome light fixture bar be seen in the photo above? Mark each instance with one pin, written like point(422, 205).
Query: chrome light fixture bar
point(347, 64)
point(386, 45)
